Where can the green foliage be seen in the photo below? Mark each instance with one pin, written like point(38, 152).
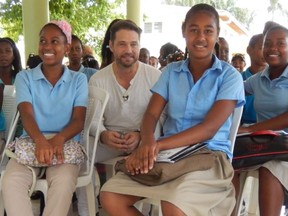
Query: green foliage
point(276, 6)
point(88, 18)
point(11, 18)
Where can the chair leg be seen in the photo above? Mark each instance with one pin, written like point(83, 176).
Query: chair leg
point(91, 199)
point(239, 199)
point(253, 206)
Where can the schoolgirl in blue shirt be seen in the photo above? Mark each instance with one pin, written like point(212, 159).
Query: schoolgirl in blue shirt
point(270, 89)
point(51, 100)
point(200, 93)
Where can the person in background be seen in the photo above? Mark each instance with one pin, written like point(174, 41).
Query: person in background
point(75, 58)
point(144, 55)
point(10, 65)
point(270, 90)
point(90, 61)
point(258, 63)
point(165, 51)
point(177, 56)
point(238, 61)
point(87, 50)
point(200, 93)
point(223, 48)
point(106, 54)
point(10, 61)
point(51, 99)
point(153, 61)
point(33, 61)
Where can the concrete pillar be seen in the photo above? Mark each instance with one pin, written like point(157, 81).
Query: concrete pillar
point(134, 11)
point(35, 14)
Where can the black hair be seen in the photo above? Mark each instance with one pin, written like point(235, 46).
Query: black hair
point(74, 37)
point(33, 61)
point(17, 59)
point(202, 7)
point(277, 27)
point(124, 24)
point(106, 54)
point(254, 39)
point(268, 25)
point(168, 49)
point(90, 61)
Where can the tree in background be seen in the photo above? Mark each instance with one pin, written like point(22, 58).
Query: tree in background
point(243, 15)
point(276, 6)
point(88, 18)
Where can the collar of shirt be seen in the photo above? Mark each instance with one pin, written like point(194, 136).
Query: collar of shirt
point(216, 66)
point(266, 73)
point(37, 74)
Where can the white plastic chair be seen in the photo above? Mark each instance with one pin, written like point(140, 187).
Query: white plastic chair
point(248, 186)
point(9, 107)
point(11, 115)
point(98, 99)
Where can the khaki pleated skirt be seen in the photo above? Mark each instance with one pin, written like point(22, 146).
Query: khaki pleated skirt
point(198, 193)
point(280, 170)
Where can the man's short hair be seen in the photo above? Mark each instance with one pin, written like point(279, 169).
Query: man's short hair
point(255, 39)
point(126, 25)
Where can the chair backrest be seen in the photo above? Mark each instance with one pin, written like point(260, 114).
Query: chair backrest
point(9, 107)
point(10, 137)
point(236, 118)
point(98, 99)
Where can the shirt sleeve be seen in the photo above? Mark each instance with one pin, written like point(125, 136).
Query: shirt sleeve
point(248, 86)
point(23, 90)
point(232, 83)
point(81, 98)
point(161, 86)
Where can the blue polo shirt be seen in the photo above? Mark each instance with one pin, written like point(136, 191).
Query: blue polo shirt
point(2, 116)
point(270, 96)
point(87, 71)
point(249, 114)
point(52, 105)
point(189, 102)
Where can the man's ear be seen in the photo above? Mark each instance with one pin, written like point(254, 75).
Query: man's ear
point(111, 46)
point(248, 50)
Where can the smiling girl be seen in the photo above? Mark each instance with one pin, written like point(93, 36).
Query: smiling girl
point(270, 90)
point(51, 100)
point(200, 94)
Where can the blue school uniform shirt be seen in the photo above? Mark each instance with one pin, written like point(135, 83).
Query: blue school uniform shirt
point(52, 105)
point(249, 114)
point(189, 102)
point(270, 96)
point(87, 71)
point(2, 117)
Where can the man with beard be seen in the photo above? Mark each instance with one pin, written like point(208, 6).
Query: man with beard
point(128, 82)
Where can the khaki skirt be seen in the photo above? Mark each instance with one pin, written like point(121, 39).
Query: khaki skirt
point(208, 192)
point(280, 170)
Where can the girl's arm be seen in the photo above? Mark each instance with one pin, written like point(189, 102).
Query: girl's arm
point(277, 123)
point(1, 95)
point(214, 119)
point(144, 156)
